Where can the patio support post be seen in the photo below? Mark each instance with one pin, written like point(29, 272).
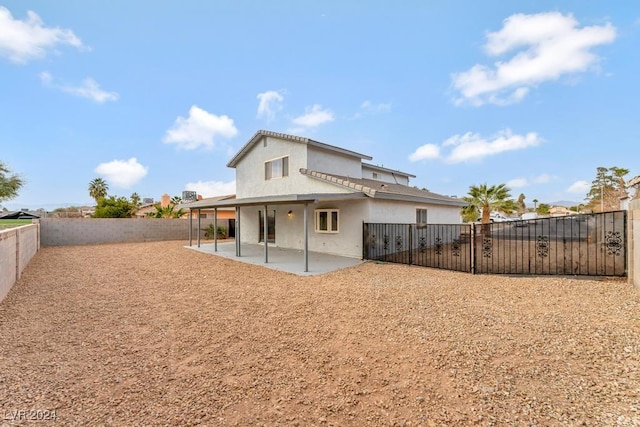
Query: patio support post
point(190, 227)
point(265, 235)
point(306, 238)
point(198, 227)
point(238, 245)
point(215, 229)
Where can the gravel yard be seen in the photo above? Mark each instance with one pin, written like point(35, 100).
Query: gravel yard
point(157, 334)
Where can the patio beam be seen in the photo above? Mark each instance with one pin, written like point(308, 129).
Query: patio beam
point(198, 227)
point(306, 238)
point(215, 230)
point(190, 227)
point(238, 245)
point(265, 234)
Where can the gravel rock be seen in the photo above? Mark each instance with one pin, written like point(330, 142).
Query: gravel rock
point(156, 334)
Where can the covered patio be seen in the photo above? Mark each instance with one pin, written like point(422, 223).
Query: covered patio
point(272, 256)
point(282, 259)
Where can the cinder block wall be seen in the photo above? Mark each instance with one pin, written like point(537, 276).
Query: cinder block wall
point(17, 247)
point(633, 237)
point(88, 231)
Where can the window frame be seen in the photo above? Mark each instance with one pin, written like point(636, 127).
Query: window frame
point(419, 212)
point(284, 168)
point(330, 220)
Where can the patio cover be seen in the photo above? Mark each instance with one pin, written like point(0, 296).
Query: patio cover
point(289, 199)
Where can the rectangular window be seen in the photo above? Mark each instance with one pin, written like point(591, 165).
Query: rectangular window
point(277, 168)
point(421, 216)
point(375, 175)
point(327, 221)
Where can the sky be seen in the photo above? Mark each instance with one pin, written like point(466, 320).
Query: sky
point(156, 97)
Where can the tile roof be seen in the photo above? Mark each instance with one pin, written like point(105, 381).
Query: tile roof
point(262, 133)
point(378, 189)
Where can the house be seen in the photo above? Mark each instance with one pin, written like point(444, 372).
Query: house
point(19, 215)
point(559, 211)
point(317, 196)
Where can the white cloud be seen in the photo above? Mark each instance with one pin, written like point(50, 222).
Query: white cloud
point(270, 104)
point(199, 129)
point(122, 173)
point(425, 152)
point(473, 147)
point(88, 89)
point(517, 183)
point(370, 107)
point(579, 187)
point(212, 188)
point(543, 179)
point(314, 116)
point(21, 41)
point(547, 46)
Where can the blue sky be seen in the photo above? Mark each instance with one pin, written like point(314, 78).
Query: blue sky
point(156, 97)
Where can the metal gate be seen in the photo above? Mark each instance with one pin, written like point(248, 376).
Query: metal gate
point(584, 245)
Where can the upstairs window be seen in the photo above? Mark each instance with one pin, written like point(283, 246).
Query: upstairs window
point(277, 168)
point(327, 220)
point(421, 216)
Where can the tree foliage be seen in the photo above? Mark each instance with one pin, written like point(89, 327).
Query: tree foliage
point(607, 189)
point(543, 209)
point(485, 199)
point(112, 207)
point(98, 189)
point(10, 183)
point(166, 212)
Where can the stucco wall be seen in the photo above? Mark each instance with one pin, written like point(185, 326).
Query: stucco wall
point(17, 247)
point(250, 180)
point(633, 266)
point(368, 172)
point(87, 231)
point(385, 211)
point(333, 163)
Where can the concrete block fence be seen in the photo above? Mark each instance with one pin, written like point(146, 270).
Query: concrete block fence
point(89, 231)
point(17, 247)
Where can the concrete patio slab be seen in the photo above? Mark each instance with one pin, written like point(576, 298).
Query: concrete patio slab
point(289, 260)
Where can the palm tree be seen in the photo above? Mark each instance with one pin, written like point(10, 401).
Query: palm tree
point(135, 199)
point(167, 212)
point(98, 189)
point(535, 205)
point(9, 184)
point(486, 199)
point(176, 200)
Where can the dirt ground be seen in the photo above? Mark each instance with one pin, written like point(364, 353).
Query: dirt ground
point(156, 334)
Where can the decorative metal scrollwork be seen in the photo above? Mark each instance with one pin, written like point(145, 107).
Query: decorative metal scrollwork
point(613, 242)
point(438, 246)
point(487, 247)
point(542, 246)
point(455, 247)
point(398, 243)
point(422, 243)
point(385, 241)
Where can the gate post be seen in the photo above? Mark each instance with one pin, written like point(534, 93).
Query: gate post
point(472, 248)
point(410, 245)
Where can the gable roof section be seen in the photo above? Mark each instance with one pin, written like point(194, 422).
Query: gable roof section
point(384, 190)
point(257, 137)
point(383, 169)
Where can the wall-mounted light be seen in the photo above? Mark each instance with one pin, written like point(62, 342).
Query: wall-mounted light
point(290, 214)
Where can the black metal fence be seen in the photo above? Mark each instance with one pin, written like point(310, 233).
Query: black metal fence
point(585, 245)
point(446, 246)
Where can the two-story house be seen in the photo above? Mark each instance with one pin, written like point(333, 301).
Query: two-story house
point(317, 196)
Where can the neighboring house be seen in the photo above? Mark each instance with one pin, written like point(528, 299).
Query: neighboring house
point(19, 215)
point(318, 195)
point(559, 211)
